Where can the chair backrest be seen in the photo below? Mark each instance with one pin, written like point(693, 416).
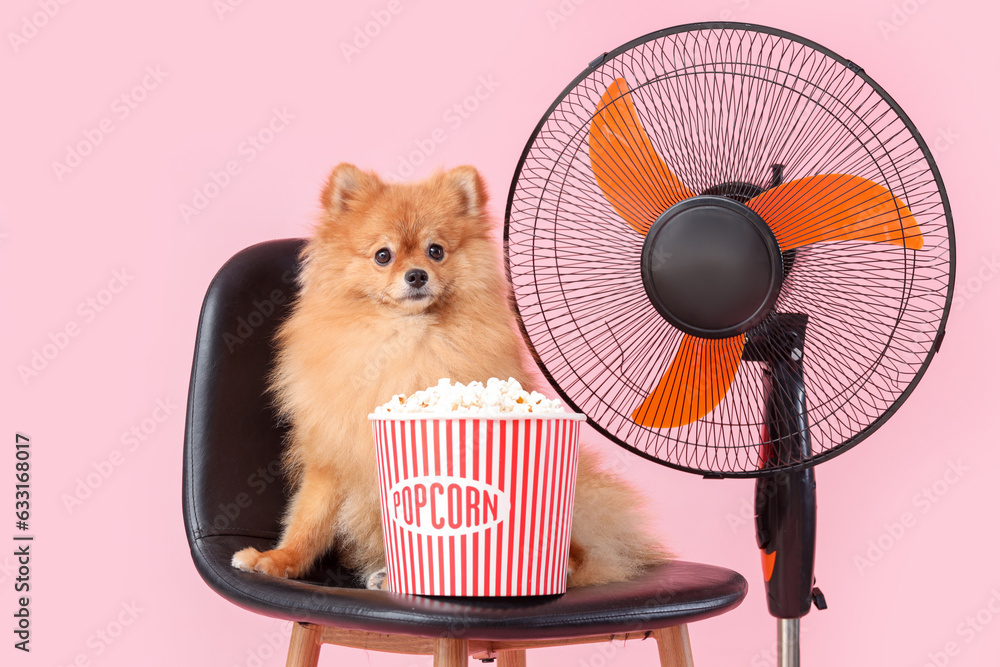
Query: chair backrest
point(233, 481)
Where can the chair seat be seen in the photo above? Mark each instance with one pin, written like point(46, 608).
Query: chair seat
point(672, 594)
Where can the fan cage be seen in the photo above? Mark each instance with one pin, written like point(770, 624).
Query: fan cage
point(876, 312)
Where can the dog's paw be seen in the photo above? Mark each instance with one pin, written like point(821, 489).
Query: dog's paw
point(277, 562)
point(378, 581)
point(245, 559)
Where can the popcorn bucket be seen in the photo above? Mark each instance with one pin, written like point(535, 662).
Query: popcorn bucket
point(477, 506)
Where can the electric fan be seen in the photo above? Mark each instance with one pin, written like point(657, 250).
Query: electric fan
point(732, 251)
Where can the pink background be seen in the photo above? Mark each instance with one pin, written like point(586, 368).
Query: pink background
point(222, 77)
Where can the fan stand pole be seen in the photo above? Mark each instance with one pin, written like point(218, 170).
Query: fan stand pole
point(788, 642)
point(786, 534)
point(785, 501)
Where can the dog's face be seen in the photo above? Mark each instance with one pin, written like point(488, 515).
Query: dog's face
point(406, 247)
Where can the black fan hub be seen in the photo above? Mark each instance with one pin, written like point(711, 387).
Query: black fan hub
point(711, 266)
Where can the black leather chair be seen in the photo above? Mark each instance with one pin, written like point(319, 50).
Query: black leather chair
point(234, 493)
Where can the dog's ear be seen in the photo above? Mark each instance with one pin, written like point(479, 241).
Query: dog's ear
point(468, 185)
point(345, 186)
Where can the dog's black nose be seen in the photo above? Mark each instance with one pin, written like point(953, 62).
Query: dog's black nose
point(416, 278)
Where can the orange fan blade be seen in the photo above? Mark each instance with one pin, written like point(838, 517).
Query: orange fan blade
point(629, 171)
point(695, 383)
point(836, 207)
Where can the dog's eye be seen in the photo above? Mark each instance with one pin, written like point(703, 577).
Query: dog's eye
point(383, 256)
point(435, 252)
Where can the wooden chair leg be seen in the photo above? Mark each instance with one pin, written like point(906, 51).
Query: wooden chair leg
point(303, 650)
point(675, 648)
point(512, 659)
point(451, 652)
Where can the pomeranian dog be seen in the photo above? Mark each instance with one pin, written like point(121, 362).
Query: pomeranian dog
point(402, 285)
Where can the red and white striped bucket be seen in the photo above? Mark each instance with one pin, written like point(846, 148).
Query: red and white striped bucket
point(477, 506)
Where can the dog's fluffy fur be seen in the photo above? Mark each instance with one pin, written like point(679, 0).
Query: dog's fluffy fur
point(359, 334)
